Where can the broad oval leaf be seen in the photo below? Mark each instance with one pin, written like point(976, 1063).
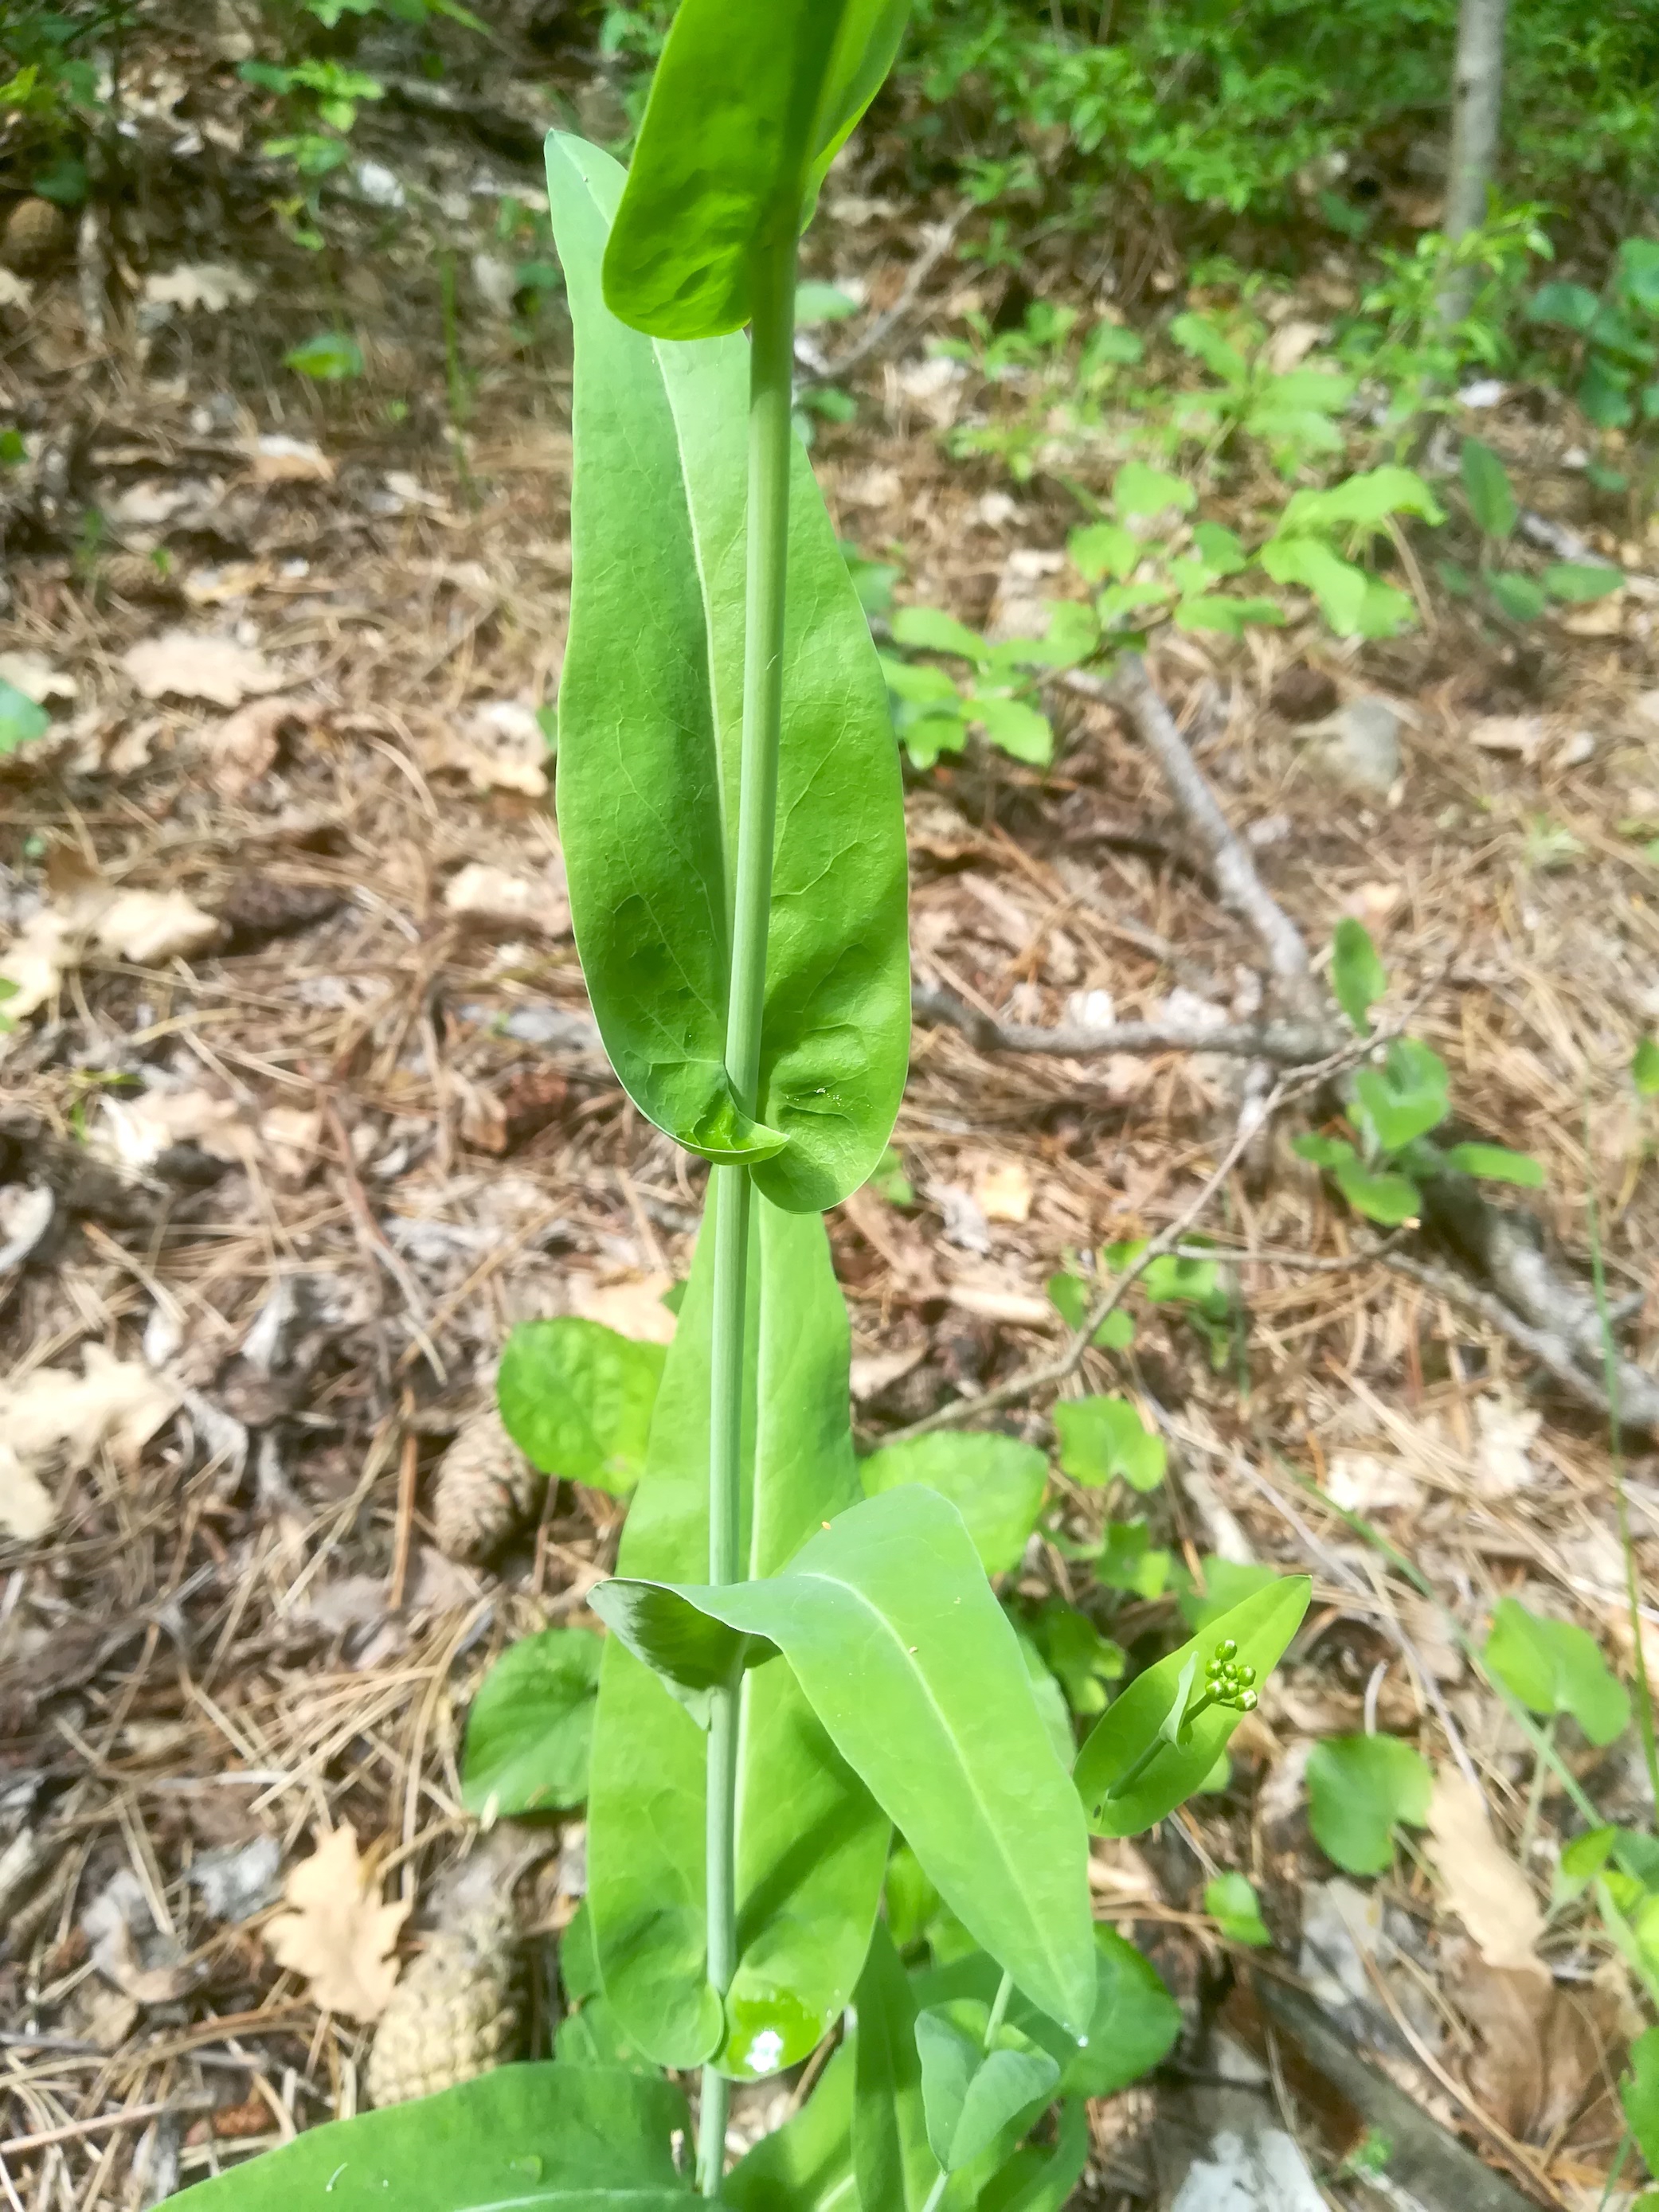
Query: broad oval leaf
point(22, 718)
point(1359, 1788)
point(576, 1398)
point(1232, 1903)
point(930, 629)
point(1262, 1627)
point(968, 2094)
point(1357, 975)
point(1101, 1438)
point(544, 2138)
point(1042, 2181)
point(1556, 1666)
point(1389, 1200)
point(751, 102)
point(1409, 1095)
point(1497, 1164)
point(889, 1626)
point(650, 726)
point(811, 1845)
point(1487, 483)
point(530, 1727)
point(995, 1482)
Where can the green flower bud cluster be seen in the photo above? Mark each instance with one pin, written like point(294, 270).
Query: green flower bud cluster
point(1228, 1683)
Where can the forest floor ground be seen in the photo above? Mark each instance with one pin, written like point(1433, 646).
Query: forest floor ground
point(300, 1116)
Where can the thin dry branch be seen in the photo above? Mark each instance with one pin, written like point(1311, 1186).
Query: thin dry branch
point(1131, 692)
point(1552, 1351)
point(1048, 1374)
point(865, 349)
point(1287, 1044)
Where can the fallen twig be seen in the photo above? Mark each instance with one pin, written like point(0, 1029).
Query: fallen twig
point(1552, 1351)
point(1287, 1043)
point(864, 349)
point(1049, 1373)
point(1130, 689)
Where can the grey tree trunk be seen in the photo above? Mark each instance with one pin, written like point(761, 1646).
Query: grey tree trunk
point(1477, 110)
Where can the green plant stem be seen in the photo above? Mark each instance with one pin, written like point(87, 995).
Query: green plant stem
point(1125, 1782)
point(770, 438)
point(1541, 1767)
point(771, 363)
point(999, 2010)
point(937, 2191)
point(1644, 1723)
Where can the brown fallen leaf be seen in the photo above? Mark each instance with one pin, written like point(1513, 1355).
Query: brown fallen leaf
point(1547, 2051)
point(118, 1403)
point(86, 912)
point(146, 926)
point(1481, 1883)
point(189, 665)
point(631, 1305)
point(244, 747)
point(54, 1415)
point(491, 897)
point(1004, 1191)
point(338, 1935)
point(501, 746)
point(277, 459)
point(1519, 734)
point(204, 287)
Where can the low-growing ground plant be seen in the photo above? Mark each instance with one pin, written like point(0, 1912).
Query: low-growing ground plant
point(1395, 1104)
point(1149, 561)
point(806, 1661)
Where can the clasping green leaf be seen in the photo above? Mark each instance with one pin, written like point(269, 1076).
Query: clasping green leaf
point(750, 103)
point(1150, 1715)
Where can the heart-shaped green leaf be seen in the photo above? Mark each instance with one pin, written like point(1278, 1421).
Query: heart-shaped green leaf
point(1640, 2096)
point(1261, 1628)
point(1486, 486)
point(1360, 1788)
point(1101, 1438)
point(22, 718)
point(1071, 1297)
point(1132, 2029)
point(576, 1398)
point(1555, 1667)
point(530, 1727)
point(1391, 1200)
point(1409, 1095)
point(995, 1482)
point(650, 734)
point(1232, 1903)
point(544, 2138)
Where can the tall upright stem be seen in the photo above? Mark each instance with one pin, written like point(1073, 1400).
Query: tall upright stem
point(771, 363)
